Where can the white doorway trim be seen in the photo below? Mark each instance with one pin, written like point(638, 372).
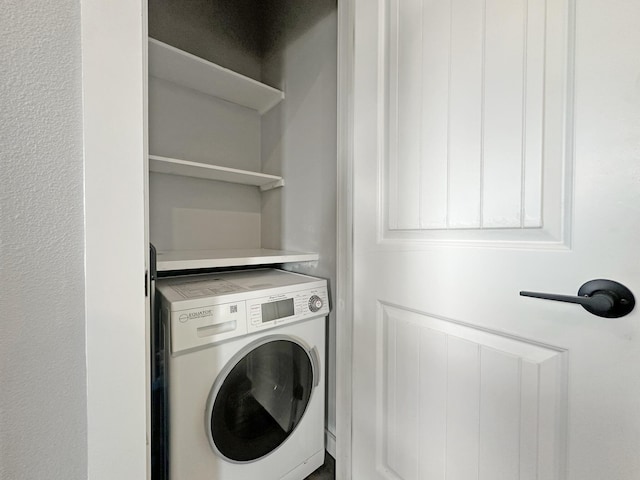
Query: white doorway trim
point(344, 283)
point(114, 37)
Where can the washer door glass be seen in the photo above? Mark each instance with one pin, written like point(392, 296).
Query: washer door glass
point(261, 400)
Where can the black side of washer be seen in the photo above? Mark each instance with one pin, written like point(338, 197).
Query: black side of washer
point(159, 456)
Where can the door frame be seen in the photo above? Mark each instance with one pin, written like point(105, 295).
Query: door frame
point(109, 431)
point(114, 46)
point(344, 279)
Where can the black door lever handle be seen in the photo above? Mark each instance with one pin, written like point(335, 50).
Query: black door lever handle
point(599, 301)
point(604, 298)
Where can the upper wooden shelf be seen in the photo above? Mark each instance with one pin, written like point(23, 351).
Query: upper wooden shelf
point(177, 66)
point(185, 168)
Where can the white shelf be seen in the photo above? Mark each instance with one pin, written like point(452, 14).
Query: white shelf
point(192, 259)
point(185, 168)
point(177, 66)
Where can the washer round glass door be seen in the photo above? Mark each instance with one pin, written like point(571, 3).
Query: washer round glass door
point(259, 399)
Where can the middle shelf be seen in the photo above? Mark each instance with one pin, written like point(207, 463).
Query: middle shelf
point(186, 168)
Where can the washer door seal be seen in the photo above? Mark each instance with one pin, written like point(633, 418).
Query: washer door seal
point(260, 397)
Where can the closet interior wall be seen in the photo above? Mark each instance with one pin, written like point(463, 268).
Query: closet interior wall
point(287, 44)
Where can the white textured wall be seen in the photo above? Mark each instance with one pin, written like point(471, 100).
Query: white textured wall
point(43, 424)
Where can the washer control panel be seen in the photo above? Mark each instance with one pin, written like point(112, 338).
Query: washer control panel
point(202, 310)
point(287, 307)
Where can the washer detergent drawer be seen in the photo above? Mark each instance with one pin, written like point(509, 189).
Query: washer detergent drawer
point(207, 325)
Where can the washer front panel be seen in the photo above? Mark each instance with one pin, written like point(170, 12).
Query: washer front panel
point(192, 377)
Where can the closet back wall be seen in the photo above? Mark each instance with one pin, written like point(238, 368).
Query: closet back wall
point(195, 214)
point(228, 33)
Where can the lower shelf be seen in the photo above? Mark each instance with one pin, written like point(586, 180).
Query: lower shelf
point(194, 259)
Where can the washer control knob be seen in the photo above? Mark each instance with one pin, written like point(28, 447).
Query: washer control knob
point(315, 303)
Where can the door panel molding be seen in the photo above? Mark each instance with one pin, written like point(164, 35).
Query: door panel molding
point(479, 131)
point(471, 402)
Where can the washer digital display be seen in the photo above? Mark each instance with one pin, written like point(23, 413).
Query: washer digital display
point(274, 310)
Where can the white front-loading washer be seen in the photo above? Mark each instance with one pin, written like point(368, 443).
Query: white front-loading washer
point(244, 354)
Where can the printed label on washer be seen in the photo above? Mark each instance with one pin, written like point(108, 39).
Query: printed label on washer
point(200, 326)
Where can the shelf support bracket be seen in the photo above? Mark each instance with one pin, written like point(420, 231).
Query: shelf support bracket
point(270, 186)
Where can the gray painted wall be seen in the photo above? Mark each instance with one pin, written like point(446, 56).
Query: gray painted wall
point(299, 142)
point(43, 404)
point(187, 213)
point(226, 32)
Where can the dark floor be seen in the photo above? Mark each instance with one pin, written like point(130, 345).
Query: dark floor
point(326, 471)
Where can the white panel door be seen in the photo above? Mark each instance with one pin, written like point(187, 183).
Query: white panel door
point(496, 149)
